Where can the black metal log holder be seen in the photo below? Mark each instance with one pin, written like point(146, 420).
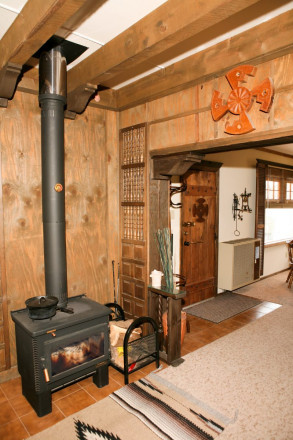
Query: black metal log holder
point(52, 98)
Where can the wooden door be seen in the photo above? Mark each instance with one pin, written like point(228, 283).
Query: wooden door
point(199, 225)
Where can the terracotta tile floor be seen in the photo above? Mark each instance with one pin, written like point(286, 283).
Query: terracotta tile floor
point(18, 420)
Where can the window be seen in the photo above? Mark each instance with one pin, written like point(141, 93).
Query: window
point(289, 191)
point(279, 190)
point(272, 190)
point(278, 225)
point(274, 204)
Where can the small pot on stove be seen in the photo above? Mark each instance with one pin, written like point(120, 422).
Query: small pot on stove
point(42, 307)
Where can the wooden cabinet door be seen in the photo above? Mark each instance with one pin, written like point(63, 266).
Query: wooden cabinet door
point(199, 235)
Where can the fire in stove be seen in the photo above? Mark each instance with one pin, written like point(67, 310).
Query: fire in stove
point(77, 353)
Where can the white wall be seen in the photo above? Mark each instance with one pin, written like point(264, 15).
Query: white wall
point(235, 180)
point(276, 258)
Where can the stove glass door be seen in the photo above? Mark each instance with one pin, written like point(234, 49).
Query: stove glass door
point(80, 348)
point(77, 353)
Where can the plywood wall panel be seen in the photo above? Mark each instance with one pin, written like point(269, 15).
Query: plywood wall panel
point(21, 170)
point(112, 148)
point(133, 116)
point(262, 121)
point(24, 277)
point(174, 132)
point(283, 110)
point(88, 154)
point(205, 92)
point(86, 205)
point(20, 128)
point(283, 71)
point(173, 105)
point(21, 187)
point(87, 269)
point(1, 335)
point(207, 128)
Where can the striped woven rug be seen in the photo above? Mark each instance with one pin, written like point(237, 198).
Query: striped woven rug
point(169, 413)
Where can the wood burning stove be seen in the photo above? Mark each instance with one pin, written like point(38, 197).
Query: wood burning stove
point(57, 351)
point(74, 343)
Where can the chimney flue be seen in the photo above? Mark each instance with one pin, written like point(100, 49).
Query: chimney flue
point(52, 98)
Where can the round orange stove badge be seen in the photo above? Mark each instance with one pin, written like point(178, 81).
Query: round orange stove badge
point(58, 187)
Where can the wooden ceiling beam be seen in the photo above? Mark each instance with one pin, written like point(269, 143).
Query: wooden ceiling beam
point(35, 24)
point(167, 26)
point(262, 43)
point(279, 136)
point(74, 21)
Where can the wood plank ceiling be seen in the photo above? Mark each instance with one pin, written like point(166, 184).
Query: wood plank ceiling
point(169, 31)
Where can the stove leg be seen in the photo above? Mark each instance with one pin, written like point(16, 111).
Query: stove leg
point(101, 376)
point(41, 402)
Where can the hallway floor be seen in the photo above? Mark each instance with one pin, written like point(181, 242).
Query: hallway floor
point(19, 421)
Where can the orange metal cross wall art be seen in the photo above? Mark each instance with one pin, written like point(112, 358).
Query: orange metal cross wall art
point(241, 99)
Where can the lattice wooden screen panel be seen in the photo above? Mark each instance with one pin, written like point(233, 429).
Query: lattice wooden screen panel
point(133, 182)
point(133, 219)
point(133, 145)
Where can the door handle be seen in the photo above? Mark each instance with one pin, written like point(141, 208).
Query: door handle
point(188, 243)
point(188, 224)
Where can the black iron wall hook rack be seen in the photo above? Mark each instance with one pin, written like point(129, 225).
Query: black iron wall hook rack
point(238, 211)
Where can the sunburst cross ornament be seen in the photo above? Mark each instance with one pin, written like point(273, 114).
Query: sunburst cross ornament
point(240, 99)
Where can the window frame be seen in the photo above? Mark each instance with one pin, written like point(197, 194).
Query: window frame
point(290, 191)
point(269, 171)
point(273, 190)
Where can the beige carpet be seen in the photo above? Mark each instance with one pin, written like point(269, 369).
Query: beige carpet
point(108, 416)
point(246, 375)
point(249, 372)
point(273, 289)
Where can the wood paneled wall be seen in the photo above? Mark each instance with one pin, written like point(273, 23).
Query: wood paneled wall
point(183, 121)
point(91, 185)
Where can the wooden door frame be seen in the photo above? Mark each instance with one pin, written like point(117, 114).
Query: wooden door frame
point(162, 168)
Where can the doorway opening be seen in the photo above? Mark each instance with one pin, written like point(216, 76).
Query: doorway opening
point(194, 228)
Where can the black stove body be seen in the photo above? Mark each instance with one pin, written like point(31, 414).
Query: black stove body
point(57, 351)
